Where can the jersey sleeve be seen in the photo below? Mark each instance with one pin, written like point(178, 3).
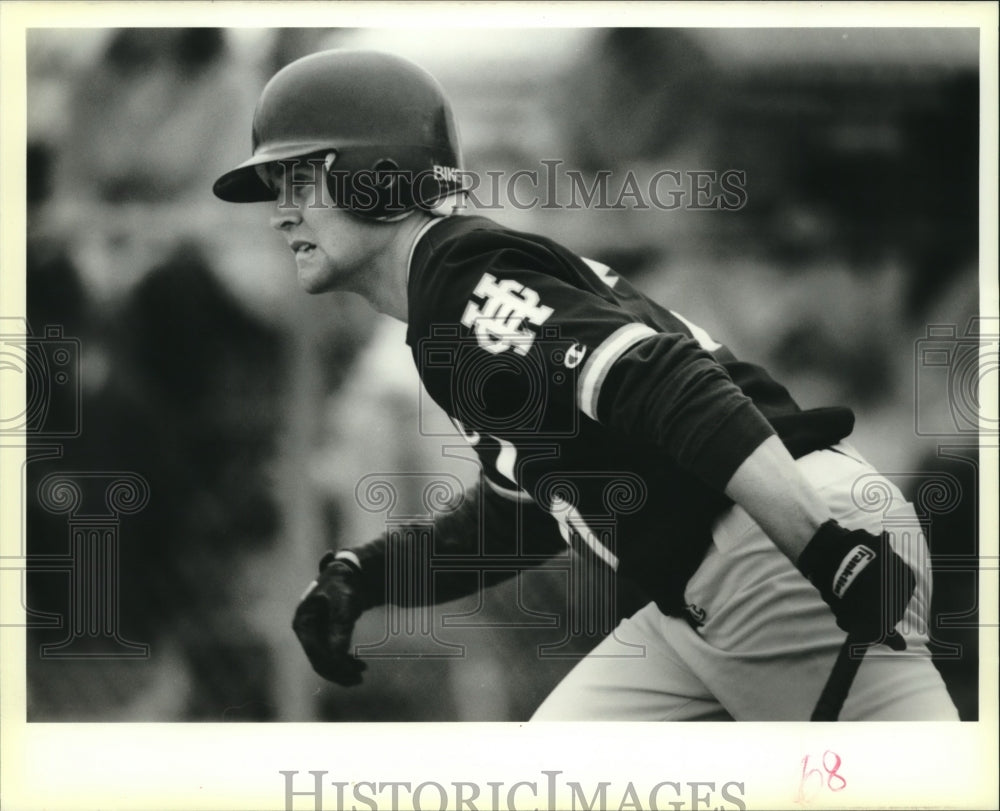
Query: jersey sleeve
point(483, 532)
point(700, 417)
point(518, 343)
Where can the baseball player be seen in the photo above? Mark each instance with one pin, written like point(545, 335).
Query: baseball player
point(732, 507)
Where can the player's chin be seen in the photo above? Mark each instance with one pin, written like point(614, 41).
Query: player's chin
point(314, 277)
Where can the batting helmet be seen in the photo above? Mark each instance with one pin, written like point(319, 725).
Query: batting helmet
point(378, 125)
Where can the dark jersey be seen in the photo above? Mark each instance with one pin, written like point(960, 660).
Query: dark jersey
point(601, 418)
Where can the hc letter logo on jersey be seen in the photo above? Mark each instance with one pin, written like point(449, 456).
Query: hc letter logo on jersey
point(498, 321)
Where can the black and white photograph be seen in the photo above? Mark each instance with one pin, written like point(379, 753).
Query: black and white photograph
point(405, 405)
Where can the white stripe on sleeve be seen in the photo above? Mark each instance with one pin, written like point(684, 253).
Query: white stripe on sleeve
point(596, 369)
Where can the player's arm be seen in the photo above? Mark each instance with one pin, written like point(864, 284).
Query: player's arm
point(701, 419)
point(482, 522)
point(678, 394)
point(358, 578)
point(771, 488)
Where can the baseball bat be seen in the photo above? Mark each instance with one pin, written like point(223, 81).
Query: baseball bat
point(838, 684)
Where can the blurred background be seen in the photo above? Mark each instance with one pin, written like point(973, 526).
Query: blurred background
point(252, 412)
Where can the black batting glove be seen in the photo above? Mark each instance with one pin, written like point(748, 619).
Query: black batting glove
point(325, 617)
point(862, 579)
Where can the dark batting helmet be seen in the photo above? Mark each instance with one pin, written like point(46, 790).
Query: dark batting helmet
point(379, 126)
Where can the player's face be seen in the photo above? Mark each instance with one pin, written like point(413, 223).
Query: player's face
point(331, 246)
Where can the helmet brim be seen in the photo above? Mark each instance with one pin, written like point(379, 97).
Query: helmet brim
point(244, 185)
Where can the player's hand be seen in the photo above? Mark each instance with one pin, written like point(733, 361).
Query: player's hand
point(324, 621)
point(862, 579)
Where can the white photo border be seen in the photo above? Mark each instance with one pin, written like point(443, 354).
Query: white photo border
point(215, 766)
